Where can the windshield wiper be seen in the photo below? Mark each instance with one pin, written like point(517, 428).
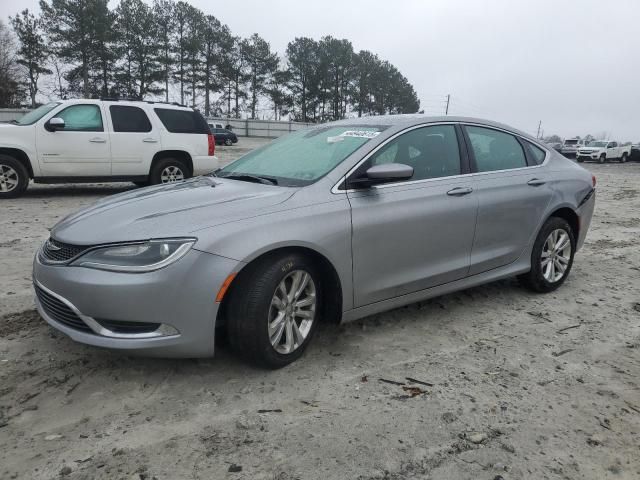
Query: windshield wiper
point(251, 178)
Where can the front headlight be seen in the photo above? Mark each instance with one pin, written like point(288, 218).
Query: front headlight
point(136, 257)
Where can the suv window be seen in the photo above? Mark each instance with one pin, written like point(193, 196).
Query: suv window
point(81, 118)
point(537, 153)
point(182, 121)
point(613, 144)
point(431, 151)
point(129, 119)
point(495, 150)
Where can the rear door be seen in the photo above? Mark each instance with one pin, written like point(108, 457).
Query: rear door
point(512, 187)
point(81, 149)
point(134, 140)
point(412, 235)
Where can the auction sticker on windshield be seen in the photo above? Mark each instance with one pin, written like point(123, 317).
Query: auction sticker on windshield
point(360, 133)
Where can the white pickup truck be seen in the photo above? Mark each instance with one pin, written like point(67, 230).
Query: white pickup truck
point(603, 150)
point(79, 141)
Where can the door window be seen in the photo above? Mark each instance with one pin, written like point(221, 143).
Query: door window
point(129, 119)
point(81, 118)
point(537, 153)
point(431, 151)
point(495, 150)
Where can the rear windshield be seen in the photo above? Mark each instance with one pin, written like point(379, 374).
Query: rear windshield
point(182, 121)
point(571, 142)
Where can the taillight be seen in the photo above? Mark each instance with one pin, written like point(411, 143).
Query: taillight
point(593, 180)
point(212, 144)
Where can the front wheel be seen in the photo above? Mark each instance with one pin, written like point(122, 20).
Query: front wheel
point(14, 177)
point(551, 257)
point(274, 309)
point(602, 159)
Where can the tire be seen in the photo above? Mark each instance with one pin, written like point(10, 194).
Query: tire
point(538, 278)
point(580, 159)
point(228, 142)
point(252, 309)
point(14, 177)
point(602, 159)
point(169, 170)
point(623, 159)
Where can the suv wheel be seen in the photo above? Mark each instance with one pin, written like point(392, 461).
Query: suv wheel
point(169, 170)
point(274, 310)
point(14, 177)
point(602, 159)
point(552, 256)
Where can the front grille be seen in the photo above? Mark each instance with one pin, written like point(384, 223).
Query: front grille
point(55, 251)
point(59, 311)
point(117, 326)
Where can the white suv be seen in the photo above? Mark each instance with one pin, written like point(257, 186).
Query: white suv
point(73, 141)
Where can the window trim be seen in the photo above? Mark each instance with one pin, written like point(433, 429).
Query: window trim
point(464, 152)
point(80, 105)
point(113, 125)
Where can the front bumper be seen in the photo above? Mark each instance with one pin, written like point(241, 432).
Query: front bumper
point(204, 164)
point(590, 155)
point(180, 299)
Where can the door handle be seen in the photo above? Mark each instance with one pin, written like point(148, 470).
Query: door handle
point(150, 140)
point(536, 182)
point(459, 191)
point(98, 140)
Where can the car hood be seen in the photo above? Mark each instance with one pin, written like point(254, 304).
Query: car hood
point(166, 211)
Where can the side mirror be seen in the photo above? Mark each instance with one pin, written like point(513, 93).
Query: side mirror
point(54, 124)
point(385, 173)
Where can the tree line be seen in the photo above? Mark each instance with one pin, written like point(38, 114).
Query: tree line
point(172, 50)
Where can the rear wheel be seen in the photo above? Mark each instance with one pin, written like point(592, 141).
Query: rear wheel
point(169, 170)
point(551, 257)
point(274, 310)
point(14, 177)
point(602, 159)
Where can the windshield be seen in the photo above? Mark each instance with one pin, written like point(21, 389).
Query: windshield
point(597, 144)
point(35, 115)
point(571, 142)
point(303, 157)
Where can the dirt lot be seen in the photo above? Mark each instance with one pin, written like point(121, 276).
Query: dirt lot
point(519, 385)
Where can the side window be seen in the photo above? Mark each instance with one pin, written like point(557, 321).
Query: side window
point(537, 153)
point(613, 144)
point(182, 121)
point(431, 151)
point(129, 119)
point(82, 118)
point(495, 150)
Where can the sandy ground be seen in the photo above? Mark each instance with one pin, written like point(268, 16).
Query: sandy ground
point(519, 385)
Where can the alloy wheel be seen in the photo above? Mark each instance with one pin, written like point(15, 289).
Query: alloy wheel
point(556, 255)
point(171, 174)
point(9, 178)
point(292, 311)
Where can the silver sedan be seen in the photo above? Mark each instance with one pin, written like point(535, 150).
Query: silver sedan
point(331, 223)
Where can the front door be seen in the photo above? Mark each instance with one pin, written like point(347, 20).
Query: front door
point(412, 235)
point(81, 149)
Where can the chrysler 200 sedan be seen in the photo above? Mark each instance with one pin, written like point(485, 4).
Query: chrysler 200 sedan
point(331, 223)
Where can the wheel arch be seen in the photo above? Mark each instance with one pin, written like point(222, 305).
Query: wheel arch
point(19, 155)
point(177, 154)
point(570, 215)
point(332, 284)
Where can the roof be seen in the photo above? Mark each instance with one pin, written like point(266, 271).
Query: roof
point(407, 120)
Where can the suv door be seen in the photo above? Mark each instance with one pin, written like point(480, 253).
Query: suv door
point(134, 141)
point(412, 235)
point(81, 149)
point(513, 193)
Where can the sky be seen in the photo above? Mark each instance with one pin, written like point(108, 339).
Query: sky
point(573, 65)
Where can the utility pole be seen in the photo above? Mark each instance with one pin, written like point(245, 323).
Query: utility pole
point(446, 112)
point(539, 125)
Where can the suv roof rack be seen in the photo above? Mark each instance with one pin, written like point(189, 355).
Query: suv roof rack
point(127, 99)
